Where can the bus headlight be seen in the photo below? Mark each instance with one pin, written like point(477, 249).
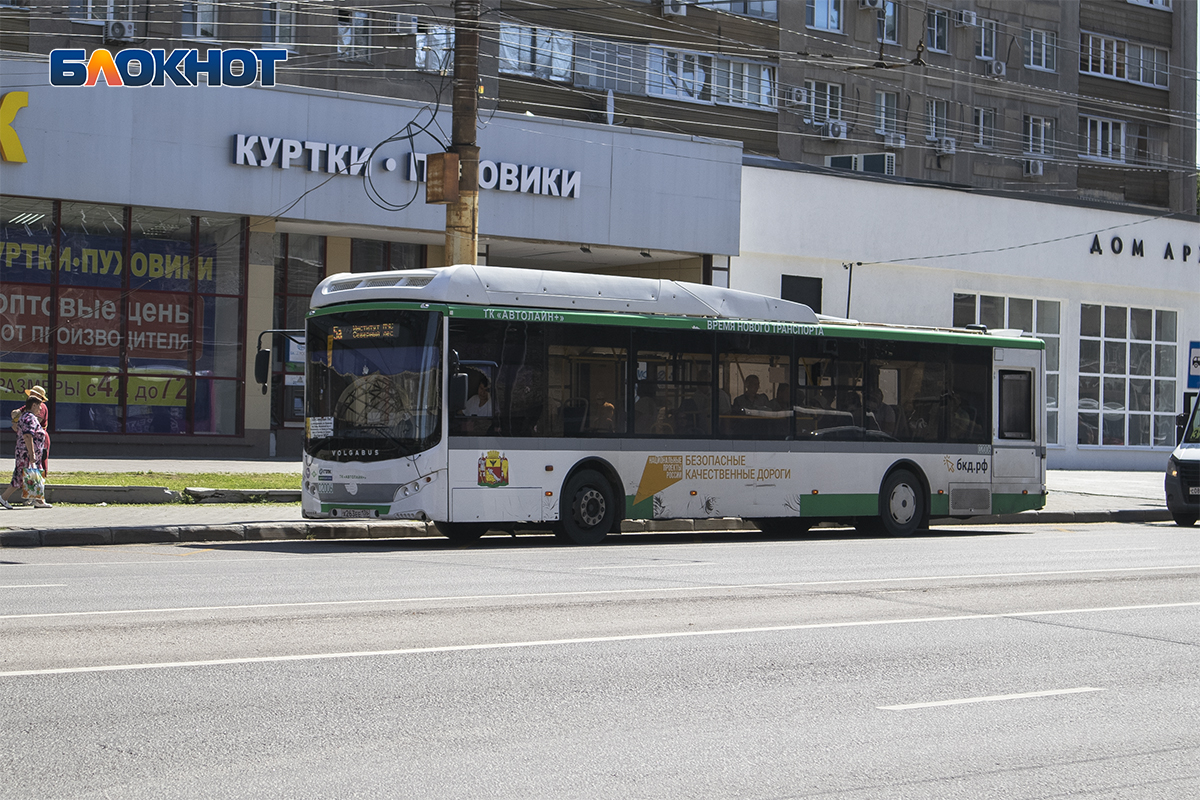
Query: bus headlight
point(1172, 467)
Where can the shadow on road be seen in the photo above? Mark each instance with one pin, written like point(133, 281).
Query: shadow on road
point(535, 539)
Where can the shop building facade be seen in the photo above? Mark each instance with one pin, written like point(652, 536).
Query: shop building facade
point(150, 235)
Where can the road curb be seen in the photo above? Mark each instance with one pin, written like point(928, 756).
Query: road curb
point(353, 529)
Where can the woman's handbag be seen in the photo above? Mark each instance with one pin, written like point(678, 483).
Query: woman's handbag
point(33, 484)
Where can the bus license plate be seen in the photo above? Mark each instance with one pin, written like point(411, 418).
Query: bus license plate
point(1194, 490)
point(357, 513)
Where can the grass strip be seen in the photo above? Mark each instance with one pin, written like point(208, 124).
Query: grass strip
point(178, 481)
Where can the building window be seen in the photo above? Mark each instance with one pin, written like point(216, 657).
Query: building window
point(603, 64)
point(1041, 317)
point(985, 127)
point(1146, 144)
point(279, 23)
point(765, 9)
point(98, 9)
point(887, 25)
point(743, 83)
point(1102, 138)
point(353, 35)
point(1165, 5)
point(1148, 65)
point(936, 119)
point(887, 112)
point(541, 52)
point(681, 75)
point(435, 49)
point(200, 20)
point(1041, 50)
point(1038, 136)
point(937, 30)
point(824, 101)
point(825, 15)
point(1100, 55)
point(985, 44)
point(1127, 376)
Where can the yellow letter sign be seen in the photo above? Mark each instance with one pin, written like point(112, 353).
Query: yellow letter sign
point(10, 143)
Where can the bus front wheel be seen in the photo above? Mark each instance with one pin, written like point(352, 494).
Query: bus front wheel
point(901, 504)
point(589, 508)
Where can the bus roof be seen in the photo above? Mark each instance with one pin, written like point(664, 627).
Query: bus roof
point(572, 291)
point(468, 284)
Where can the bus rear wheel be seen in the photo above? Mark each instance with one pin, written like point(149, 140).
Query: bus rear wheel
point(901, 504)
point(589, 508)
point(462, 532)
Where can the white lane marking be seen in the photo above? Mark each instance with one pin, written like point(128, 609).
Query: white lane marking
point(1115, 550)
point(653, 566)
point(996, 698)
point(459, 648)
point(594, 592)
point(34, 586)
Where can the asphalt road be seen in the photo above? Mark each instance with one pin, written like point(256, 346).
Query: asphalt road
point(1027, 662)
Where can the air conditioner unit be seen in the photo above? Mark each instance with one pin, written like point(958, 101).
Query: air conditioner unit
point(1034, 169)
point(833, 129)
point(795, 96)
point(996, 69)
point(965, 19)
point(893, 141)
point(674, 8)
point(873, 4)
point(945, 146)
point(119, 30)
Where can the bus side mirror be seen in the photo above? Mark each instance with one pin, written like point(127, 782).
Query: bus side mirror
point(1181, 421)
point(458, 391)
point(262, 369)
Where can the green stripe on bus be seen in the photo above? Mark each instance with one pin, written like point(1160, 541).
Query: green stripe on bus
point(839, 505)
point(1015, 503)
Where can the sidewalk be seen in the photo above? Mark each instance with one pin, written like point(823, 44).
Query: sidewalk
point(1075, 496)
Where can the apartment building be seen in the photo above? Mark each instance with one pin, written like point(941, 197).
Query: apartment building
point(1092, 99)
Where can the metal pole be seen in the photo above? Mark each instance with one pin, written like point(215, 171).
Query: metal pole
point(462, 216)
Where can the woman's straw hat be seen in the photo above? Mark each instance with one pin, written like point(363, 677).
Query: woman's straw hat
point(37, 393)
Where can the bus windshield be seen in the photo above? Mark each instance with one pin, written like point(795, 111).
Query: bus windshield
point(373, 384)
point(1191, 434)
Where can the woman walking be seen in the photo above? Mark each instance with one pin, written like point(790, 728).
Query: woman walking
point(31, 448)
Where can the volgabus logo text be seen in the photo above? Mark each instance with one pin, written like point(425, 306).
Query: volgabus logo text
point(134, 67)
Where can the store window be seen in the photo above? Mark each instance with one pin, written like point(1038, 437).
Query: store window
point(1041, 317)
point(371, 255)
point(132, 317)
point(1127, 372)
point(299, 267)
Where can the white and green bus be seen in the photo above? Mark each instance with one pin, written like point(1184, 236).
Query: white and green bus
point(481, 398)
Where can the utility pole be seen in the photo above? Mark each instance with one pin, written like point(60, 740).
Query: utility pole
point(462, 215)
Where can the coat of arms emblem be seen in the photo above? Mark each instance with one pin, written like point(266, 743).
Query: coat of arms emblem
point(493, 469)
